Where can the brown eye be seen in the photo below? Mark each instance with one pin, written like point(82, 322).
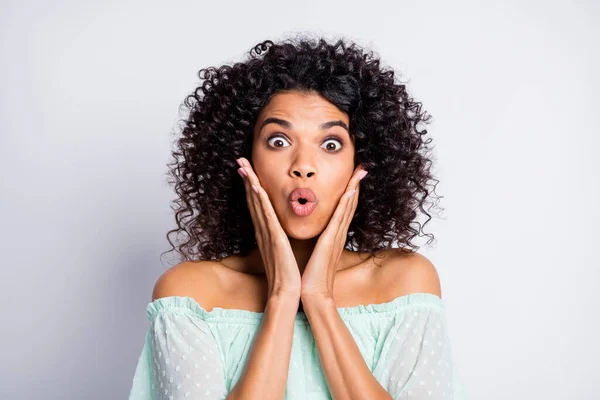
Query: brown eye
point(277, 141)
point(331, 147)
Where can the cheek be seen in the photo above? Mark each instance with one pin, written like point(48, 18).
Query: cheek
point(338, 183)
point(270, 180)
point(265, 167)
point(334, 194)
point(266, 177)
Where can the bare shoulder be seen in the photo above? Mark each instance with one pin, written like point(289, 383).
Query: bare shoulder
point(196, 279)
point(405, 273)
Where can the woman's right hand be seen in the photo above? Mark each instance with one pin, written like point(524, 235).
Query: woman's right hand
point(281, 268)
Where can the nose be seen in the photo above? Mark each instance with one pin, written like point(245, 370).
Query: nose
point(303, 172)
point(303, 162)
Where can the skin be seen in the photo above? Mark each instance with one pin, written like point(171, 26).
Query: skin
point(303, 159)
point(304, 154)
point(300, 156)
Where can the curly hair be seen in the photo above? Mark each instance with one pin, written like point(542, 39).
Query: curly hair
point(211, 210)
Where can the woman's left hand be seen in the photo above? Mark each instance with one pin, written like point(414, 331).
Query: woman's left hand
point(319, 274)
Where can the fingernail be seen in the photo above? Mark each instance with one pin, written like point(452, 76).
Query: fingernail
point(239, 162)
point(242, 172)
point(351, 193)
point(255, 189)
point(362, 175)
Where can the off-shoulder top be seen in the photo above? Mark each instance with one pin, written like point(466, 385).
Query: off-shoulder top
point(192, 353)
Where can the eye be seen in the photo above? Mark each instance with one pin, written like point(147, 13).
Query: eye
point(334, 138)
point(279, 140)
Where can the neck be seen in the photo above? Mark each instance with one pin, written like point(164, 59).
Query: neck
point(302, 251)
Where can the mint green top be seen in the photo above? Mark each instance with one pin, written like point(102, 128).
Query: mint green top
point(191, 353)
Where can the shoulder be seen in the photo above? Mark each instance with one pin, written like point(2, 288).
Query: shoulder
point(405, 273)
point(196, 279)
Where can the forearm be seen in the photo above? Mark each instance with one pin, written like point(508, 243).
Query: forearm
point(265, 374)
point(346, 372)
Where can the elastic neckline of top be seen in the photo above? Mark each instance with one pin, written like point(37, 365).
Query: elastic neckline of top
point(187, 303)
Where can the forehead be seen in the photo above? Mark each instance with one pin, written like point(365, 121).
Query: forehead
point(298, 106)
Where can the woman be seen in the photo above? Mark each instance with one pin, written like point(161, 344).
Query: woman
point(270, 302)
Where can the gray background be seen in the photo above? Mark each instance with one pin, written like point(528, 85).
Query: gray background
point(89, 100)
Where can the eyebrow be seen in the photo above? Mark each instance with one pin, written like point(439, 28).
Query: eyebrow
point(288, 125)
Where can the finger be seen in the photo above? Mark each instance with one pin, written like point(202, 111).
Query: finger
point(335, 223)
point(356, 177)
point(345, 201)
point(351, 203)
point(269, 216)
point(339, 216)
point(250, 171)
point(252, 201)
point(345, 218)
point(350, 209)
point(359, 174)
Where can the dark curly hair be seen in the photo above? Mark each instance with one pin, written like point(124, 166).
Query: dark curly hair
point(211, 208)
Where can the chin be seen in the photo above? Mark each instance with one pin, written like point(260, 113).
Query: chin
point(301, 230)
point(303, 237)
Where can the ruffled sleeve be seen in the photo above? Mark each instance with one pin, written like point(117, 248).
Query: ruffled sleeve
point(416, 359)
point(180, 359)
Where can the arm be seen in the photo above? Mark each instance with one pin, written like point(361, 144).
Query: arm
point(347, 374)
point(266, 370)
point(265, 374)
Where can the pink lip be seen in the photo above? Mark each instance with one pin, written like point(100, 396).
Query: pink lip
point(304, 193)
point(309, 205)
point(303, 210)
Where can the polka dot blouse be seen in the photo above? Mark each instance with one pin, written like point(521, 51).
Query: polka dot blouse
point(191, 353)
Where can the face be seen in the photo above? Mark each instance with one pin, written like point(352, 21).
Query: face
point(292, 148)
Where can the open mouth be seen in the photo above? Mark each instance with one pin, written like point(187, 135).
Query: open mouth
point(302, 207)
point(303, 201)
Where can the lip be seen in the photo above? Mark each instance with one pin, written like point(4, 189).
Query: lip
point(304, 193)
point(303, 210)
